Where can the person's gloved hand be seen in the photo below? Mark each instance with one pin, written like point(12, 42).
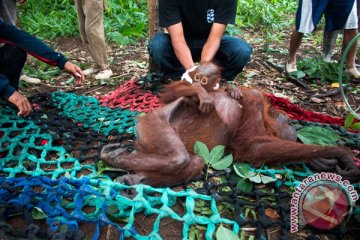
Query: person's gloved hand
point(186, 77)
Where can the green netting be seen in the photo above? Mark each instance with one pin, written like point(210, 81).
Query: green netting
point(86, 110)
point(25, 149)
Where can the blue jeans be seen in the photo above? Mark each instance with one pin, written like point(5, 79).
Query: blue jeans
point(233, 54)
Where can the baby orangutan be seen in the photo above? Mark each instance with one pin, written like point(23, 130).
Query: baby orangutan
point(205, 79)
point(241, 119)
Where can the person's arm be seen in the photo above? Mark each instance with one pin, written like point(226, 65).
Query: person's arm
point(170, 18)
point(35, 47)
point(180, 46)
point(213, 42)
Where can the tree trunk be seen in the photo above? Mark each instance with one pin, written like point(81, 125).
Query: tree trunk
point(153, 21)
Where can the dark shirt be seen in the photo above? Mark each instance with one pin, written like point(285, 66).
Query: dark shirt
point(12, 35)
point(196, 16)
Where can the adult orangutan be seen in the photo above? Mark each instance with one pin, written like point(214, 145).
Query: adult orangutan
point(241, 119)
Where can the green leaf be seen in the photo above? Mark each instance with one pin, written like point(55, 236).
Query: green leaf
point(300, 74)
point(244, 185)
point(113, 214)
point(349, 120)
point(318, 135)
point(216, 154)
point(256, 178)
point(223, 163)
point(102, 167)
point(242, 169)
point(223, 233)
point(202, 151)
point(192, 234)
point(267, 179)
point(37, 213)
point(355, 126)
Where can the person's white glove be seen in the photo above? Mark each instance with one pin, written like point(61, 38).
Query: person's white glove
point(186, 77)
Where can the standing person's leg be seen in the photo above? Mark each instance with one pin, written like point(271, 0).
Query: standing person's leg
point(295, 42)
point(351, 30)
point(233, 55)
point(80, 5)
point(308, 15)
point(351, 56)
point(81, 19)
point(94, 28)
point(329, 41)
point(347, 19)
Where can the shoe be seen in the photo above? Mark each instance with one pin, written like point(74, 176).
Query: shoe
point(291, 67)
point(353, 72)
point(90, 71)
point(30, 79)
point(104, 74)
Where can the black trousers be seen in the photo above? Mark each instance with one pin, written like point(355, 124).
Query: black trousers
point(12, 60)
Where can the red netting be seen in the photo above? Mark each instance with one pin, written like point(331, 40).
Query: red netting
point(130, 96)
point(297, 113)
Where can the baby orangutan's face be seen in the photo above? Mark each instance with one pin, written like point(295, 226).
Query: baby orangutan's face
point(208, 75)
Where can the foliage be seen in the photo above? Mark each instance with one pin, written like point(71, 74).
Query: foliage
point(50, 19)
point(196, 232)
point(37, 213)
point(102, 167)
point(351, 123)
point(269, 15)
point(125, 21)
point(318, 135)
point(215, 158)
point(44, 71)
point(249, 177)
point(317, 68)
point(224, 233)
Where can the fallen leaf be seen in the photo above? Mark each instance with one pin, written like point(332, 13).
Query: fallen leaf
point(340, 105)
point(271, 213)
point(316, 100)
point(335, 85)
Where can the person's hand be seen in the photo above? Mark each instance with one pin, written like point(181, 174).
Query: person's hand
point(75, 71)
point(21, 102)
point(21, 1)
point(186, 76)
